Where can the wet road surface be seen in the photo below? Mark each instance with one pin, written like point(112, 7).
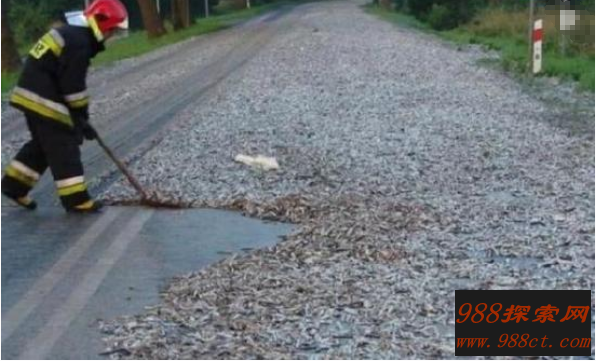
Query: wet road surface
point(62, 273)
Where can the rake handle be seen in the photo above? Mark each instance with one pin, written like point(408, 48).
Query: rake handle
point(133, 181)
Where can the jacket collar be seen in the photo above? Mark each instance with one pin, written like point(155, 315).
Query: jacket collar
point(96, 46)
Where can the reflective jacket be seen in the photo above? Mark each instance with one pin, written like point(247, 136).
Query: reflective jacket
point(53, 81)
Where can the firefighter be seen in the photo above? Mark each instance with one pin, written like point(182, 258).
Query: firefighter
point(52, 94)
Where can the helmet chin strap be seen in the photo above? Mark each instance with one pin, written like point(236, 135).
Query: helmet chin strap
point(95, 28)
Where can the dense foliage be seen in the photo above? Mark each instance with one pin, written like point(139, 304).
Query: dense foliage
point(449, 14)
point(31, 18)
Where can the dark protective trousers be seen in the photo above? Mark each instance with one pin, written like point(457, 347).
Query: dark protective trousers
point(50, 146)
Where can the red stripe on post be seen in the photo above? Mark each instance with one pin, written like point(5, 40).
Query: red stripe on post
point(537, 35)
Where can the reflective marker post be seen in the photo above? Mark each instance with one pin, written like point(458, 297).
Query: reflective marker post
point(537, 35)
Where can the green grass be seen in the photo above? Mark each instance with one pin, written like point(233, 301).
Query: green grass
point(8, 81)
point(137, 43)
point(514, 57)
point(513, 49)
point(580, 69)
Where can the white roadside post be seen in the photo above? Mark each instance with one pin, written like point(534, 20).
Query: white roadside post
point(537, 40)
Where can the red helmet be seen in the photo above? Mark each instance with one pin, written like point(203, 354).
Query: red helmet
point(108, 15)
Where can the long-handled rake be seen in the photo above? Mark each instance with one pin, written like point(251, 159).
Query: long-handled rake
point(153, 199)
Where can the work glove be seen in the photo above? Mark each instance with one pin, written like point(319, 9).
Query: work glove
point(88, 131)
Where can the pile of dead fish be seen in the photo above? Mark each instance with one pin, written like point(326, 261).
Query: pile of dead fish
point(297, 299)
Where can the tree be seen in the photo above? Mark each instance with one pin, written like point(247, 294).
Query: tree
point(180, 14)
point(151, 20)
point(10, 55)
point(386, 4)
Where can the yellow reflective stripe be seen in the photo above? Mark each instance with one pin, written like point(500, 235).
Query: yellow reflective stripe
point(79, 103)
point(24, 169)
point(95, 28)
point(86, 205)
point(70, 181)
point(57, 37)
point(76, 96)
point(59, 107)
point(41, 109)
point(25, 201)
point(75, 188)
point(23, 178)
point(49, 40)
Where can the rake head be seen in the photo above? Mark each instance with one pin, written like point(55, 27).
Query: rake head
point(156, 200)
